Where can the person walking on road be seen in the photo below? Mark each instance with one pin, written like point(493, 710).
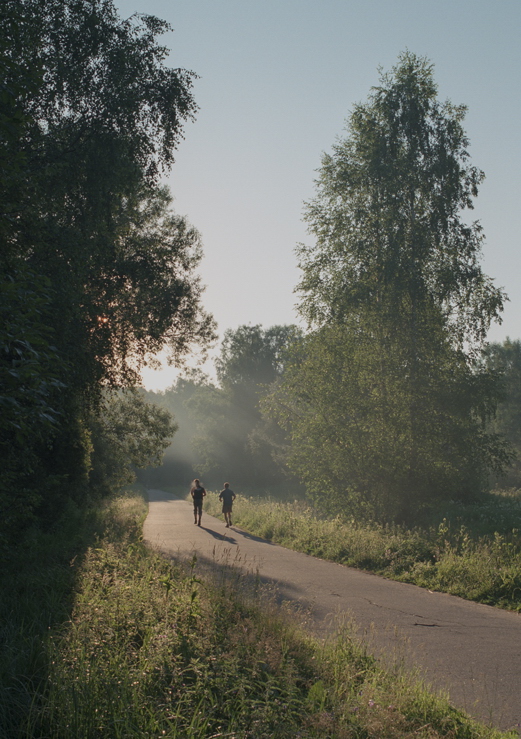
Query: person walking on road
point(198, 493)
point(227, 496)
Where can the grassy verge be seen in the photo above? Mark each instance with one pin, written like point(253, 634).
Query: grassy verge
point(128, 645)
point(474, 552)
point(37, 591)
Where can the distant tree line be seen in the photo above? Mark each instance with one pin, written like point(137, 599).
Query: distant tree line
point(222, 430)
point(96, 271)
point(227, 427)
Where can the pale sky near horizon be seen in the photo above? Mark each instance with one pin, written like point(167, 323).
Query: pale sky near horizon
point(277, 79)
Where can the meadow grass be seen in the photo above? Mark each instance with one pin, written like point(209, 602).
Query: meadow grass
point(473, 552)
point(130, 645)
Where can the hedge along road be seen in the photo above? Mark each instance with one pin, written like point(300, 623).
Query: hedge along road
point(468, 650)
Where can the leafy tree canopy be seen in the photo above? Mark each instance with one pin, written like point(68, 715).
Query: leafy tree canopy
point(251, 355)
point(222, 434)
point(386, 217)
point(384, 401)
point(102, 118)
point(90, 117)
point(129, 433)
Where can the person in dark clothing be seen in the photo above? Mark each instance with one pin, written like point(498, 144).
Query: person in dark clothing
point(227, 496)
point(197, 492)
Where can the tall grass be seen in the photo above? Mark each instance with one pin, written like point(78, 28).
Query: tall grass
point(37, 590)
point(137, 647)
point(474, 552)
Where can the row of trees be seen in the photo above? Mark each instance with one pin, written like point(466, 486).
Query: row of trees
point(387, 404)
point(227, 429)
point(96, 271)
point(222, 431)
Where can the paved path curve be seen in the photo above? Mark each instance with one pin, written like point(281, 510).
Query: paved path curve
point(469, 650)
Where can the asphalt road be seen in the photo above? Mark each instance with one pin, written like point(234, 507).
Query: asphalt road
point(470, 651)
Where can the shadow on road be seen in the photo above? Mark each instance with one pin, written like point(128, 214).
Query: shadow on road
point(247, 535)
point(228, 567)
point(217, 535)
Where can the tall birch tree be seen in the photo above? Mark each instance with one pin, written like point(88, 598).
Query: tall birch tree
point(398, 307)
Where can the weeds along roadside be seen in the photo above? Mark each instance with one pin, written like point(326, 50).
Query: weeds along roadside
point(38, 581)
point(474, 552)
point(149, 649)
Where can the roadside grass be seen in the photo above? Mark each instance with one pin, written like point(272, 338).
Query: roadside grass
point(473, 551)
point(129, 645)
point(37, 587)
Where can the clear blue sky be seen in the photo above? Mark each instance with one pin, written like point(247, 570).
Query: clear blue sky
point(277, 80)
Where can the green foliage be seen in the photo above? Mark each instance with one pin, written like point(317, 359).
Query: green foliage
point(252, 357)
point(29, 369)
point(31, 382)
point(505, 359)
point(102, 121)
point(129, 433)
point(222, 432)
point(384, 402)
point(387, 214)
point(235, 438)
point(97, 271)
point(347, 408)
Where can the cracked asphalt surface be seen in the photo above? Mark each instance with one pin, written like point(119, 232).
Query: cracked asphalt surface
point(470, 651)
